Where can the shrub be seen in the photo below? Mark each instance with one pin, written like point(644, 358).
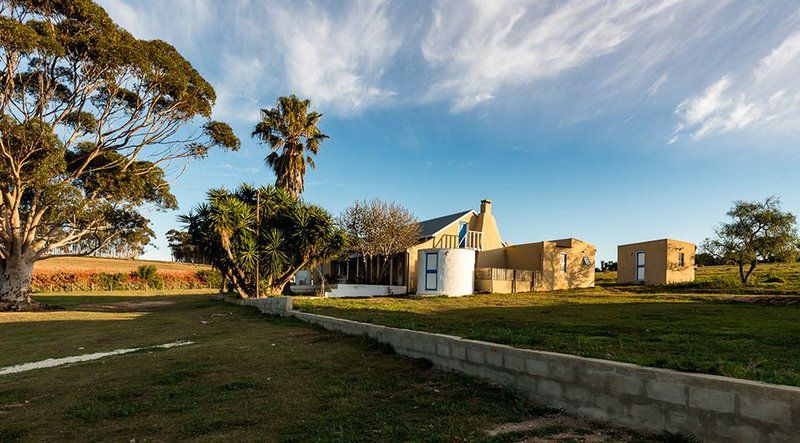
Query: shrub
point(148, 274)
point(112, 282)
point(141, 279)
point(209, 277)
point(773, 279)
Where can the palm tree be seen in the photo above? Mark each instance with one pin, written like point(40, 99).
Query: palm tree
point(291, 132)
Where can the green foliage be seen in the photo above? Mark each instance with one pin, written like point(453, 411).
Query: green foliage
point(757, 231)
point(211, 277)
point(265, 231)
point(112, 282)
point(182, 248)
point(149, 275)
point(90, 119)
point(773, 279)
point(291, 133)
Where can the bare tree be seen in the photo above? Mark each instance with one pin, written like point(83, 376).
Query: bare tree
point(378, 230)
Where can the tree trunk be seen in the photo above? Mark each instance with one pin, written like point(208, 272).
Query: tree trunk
point(749, 271)
point(15, 284)
point(741, 273)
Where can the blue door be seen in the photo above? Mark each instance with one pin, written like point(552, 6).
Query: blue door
point(462, 235)
point(431, 271)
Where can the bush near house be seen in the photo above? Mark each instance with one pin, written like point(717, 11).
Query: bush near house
point(144, 278)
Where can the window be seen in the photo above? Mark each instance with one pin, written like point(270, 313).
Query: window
point(462, 234)
point(563, 262)
point(586, 261)
point(681, 260)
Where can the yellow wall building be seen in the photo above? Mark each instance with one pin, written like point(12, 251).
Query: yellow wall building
point(552, 265)
point(656, 262)
point(557, 264)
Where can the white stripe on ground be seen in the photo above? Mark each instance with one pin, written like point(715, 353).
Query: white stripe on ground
point(53, 362)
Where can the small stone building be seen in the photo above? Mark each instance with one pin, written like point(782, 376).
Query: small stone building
point(656, 262)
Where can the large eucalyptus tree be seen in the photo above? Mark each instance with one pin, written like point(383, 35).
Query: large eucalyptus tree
point(92, 123)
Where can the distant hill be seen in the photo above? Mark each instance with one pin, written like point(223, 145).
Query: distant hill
point(76, 264)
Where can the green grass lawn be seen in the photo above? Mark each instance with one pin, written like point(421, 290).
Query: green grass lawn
point(246, 377)
point(767, 279)
point(688, 333)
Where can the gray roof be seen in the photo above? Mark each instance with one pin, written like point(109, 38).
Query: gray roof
point(434, 225)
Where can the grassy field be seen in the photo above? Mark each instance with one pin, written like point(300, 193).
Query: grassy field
point(767, 279)
point(95, 264)
point(246, 377)
point(689, 333)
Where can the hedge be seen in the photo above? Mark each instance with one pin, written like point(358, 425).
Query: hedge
point(139, 280)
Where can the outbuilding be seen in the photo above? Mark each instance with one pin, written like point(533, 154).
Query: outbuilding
point(656, 262)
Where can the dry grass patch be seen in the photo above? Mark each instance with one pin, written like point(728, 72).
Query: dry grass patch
point(113, 265)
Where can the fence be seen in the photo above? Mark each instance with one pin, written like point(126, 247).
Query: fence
point(505, 281)
point(472, 240)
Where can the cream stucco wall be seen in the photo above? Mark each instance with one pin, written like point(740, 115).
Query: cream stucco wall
point(544, 258)
point(675, 272)
point(661, 262)
point(578, 274)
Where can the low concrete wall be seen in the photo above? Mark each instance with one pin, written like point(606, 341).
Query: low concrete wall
point(350, 290)
point(267, 305)
point(710, 407)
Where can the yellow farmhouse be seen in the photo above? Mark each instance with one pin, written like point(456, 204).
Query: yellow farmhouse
point(656, 262)
point(462, 253)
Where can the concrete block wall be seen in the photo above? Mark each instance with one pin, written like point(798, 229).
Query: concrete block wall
point(269, 305)
point(710, 407)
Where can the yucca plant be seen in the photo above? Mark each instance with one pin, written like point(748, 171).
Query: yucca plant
point(263, 232)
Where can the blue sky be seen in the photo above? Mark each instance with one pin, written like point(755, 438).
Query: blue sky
point(610, 121)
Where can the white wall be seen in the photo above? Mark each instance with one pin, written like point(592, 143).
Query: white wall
point(455, 272)
point(303, 277)
point(344, 290)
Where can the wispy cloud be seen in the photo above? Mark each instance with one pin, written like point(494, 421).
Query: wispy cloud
point(338, 57)
point(481, 47)
point(174, 21)
point(238, 87)
point(767, 94)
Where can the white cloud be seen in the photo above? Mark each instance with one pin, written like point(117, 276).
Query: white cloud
point(653, 90)
point(337, 57)
point(482, 46)
point(768, 93)
point(176, 21)
point(781, 57)
point(237, 88)
point(710, 102)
